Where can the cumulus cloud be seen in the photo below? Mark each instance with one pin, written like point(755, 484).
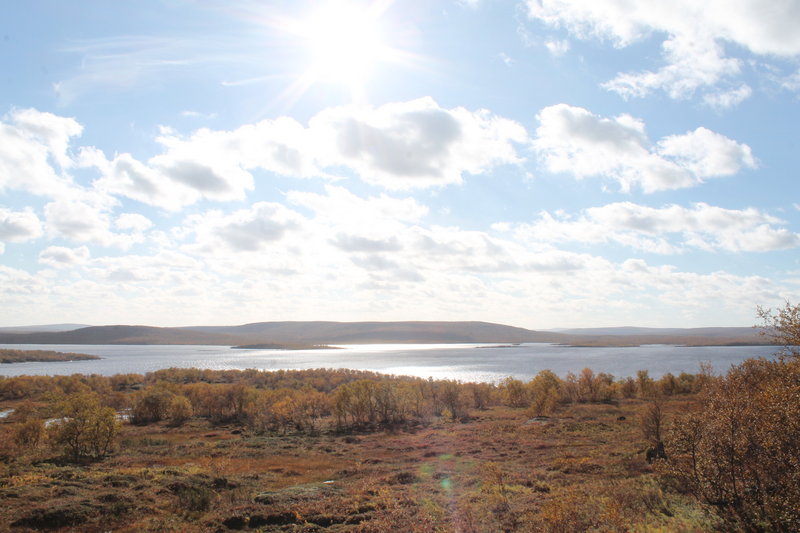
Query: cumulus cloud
point(133, 222)
point(245, 230)
point(572, 139)
point(706, 154)
point(31, 142)
point(416, 143)
point(241, 260)
point(695, 37)
point(354, 224)
point(400, 145)
point(126, 176)
point(208, 164)
point(87, 219)
point(19, 226)
point(60, 256)
point(76, 220)
point(669, 229)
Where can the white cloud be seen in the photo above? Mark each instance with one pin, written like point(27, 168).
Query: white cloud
point(414, 144)
point(341, 209)
point(691, 64)
point(198, 114)
point(29, 141)
point(17, 290)
point(51, 130)
point(216, 163)
point(791, 82)
point(665, 230)
point(400, 145)
point(77, 221)
point(246, 230)
point(726, 99)
point(557, 48)
point(695, 38)
point(88, 220)
point(125, 176)
point(268, 260)
point(572, 139)
point(133, 222)
point(19, 226)
point(706, 153)
point(60, 256)
point(358, 243)
point(209, 164)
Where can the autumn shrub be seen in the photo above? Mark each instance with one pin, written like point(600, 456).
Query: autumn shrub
point(782, 327)
point(627, 387)
point(738, 452)
point(151, 406)
point(179, 410)
point(453, 402)
point(544, 390)
point(513, 392)
point(482, 394)
point(645, 385)
point(87, 429)
point(29, 434)
point(413, 402)
point(355, 402)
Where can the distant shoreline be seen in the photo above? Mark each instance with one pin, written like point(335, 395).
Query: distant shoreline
point(8, 356)
point(270, 346)
point(601, 344)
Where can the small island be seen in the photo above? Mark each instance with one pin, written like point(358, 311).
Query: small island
point(270, 346)
point(41, 356)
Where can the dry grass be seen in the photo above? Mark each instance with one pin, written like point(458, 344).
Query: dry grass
point(581, 470)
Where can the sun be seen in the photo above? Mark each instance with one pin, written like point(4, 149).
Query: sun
point(344, 42)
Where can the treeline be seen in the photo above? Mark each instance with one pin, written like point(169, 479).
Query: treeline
point(85, 410)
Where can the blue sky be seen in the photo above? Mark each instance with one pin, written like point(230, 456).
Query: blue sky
point(540, 163)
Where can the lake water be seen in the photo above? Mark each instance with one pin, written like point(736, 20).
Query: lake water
point(465, 362)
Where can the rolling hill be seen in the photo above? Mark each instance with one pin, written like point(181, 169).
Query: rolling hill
point(296, 334)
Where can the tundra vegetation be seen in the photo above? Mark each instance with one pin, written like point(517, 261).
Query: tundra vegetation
point(22, 356)
point(344, 450)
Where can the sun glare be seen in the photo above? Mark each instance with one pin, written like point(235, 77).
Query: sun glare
point(344, 43)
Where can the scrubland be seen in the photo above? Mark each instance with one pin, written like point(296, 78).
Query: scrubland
point(334, 450)
point(349, 451)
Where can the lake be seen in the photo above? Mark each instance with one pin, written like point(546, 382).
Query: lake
point(465, 362)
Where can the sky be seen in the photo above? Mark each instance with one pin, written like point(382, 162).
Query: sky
point(538, 163)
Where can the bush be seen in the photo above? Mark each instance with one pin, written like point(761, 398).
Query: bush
point(87, 429)
point(514, 393)
point(30, 433)
point(544, 392)
point(151, 406)
point(738, 452)
point(180, 410)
